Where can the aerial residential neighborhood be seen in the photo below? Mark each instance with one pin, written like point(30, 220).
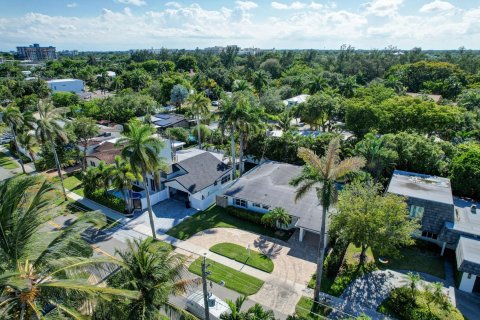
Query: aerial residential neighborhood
point(240, 160)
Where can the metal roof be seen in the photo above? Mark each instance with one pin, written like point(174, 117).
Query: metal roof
point(421, 186)
point(468, 254)
point(167, 119)
point(269, 184)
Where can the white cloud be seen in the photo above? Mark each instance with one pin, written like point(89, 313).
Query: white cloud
point(173, 4)
point(246, 5)
point(137, 3)
point(437, 6)
point(72, 5)
point(383, 8)
point(296, 5)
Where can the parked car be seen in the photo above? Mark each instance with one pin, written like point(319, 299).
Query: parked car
point(215, 103)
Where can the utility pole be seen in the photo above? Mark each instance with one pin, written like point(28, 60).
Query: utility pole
point(205, 273)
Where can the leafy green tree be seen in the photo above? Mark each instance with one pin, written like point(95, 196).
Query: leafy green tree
point(154, 272)
point(260, 80)
point(15, 120)
point(319, 110)
point(285, 120)
point(376, 153)
point(348, 86)
point(198, 104)
point(178, 95)
point(65, 99)
point(414, 279)
point(177, 133)
point(39, 268)
point(122, 178)
point(465, 170)
point(277, 216)
point(142, 151)
point(29, 144)
point(470, 99)
point(187, 63)
point(317, 83)
point(272, 66)
point(48, 129)
point(84, 129)
point(369, 219)
point(322, 173)
point(241, 85)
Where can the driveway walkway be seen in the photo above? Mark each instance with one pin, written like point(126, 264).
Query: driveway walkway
point(167, 214)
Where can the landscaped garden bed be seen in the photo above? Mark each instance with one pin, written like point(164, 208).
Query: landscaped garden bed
point(241, 254)
point(233, 279)
point(218, 217)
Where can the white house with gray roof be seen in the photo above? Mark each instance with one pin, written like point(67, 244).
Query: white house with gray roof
point(268, 186)
point(450, 222)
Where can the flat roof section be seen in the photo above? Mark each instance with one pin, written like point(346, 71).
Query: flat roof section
point(468, 255)
point(421, 186)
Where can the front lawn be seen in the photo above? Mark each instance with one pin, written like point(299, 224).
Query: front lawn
point(421, 257)
point(238, 253)
point(7, 162)
point(217, 217)
point(74, 184)
point(307, 309)
point(235, 280)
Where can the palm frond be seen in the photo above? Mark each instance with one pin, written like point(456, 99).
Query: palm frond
point(348, 165)
point(79, 285)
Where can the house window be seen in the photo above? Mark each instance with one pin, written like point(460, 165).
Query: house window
point(240, 203)
point(225, 179)
point(92, 163)
point(428, 234)
point(152, 185)
point(258, 205)
point(416, 212)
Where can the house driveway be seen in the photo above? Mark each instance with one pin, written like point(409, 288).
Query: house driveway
point(167, 214)
point(294, 264)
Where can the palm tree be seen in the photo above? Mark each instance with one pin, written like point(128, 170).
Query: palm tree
point(84, 129)
point(14, 119)
point(285, 119)
point(122, 178)
point(277, 216)
point(348, 86)
point(28, 143)
point(260, 80)
point(320, 174)
point(414, 279)
point(154, 272)
point(48, 129)
point(257, 312)
point(104, 172)
point(241, 85)
point(248, 123)
point(235, 309)
point(41, 268)
point(228, 119)
point(198, 104)
point(142, 150)
point(317, 83)
point(377, 155)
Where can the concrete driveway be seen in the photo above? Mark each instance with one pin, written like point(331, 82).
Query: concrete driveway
point(167, 214)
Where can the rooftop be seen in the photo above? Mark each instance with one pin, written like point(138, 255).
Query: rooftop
point(106, 152)
point(202, 171)
point(468, 253)
point(295, 100)
point(166, 119)
point(466, 221)
point(421, 186)
point(269, 184)
point(63, 80)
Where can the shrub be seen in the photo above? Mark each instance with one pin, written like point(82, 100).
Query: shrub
point(245, 214)
point(108, 200)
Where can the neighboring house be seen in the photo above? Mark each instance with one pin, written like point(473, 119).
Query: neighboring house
point(108, 132)
point(295, 100)
point(106, 151)
point(447, 221)
point(66, 85)
point(163, 121)
point(198, 180)
point(268, 186)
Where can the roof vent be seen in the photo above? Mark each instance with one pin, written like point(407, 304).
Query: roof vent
point(473, 208)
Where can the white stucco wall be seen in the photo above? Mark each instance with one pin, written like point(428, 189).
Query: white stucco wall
point(466, 284)
point(66, 85)
point(155, 198)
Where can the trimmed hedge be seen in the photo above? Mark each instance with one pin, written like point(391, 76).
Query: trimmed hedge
point(251, 216)
point(108, 200)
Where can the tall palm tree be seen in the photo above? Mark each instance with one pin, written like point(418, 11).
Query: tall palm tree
point(228, 119)
point(241, 85)
point(285, 120)
point(48, 129)
point(14, 119)
point(122, 178)
point(198, 104)
point(320, 174)
point(317, 83)
point(260, 80)
point(41, 268)
point(28, 143)
point(104, 172)
point(142, 151)
point(154, 272)
point(253, 313)
point(378, 156)
point(84, 129)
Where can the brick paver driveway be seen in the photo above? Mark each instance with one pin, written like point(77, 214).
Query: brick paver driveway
point(294, 264)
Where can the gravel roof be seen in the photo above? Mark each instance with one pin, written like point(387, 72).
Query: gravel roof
point(268, 184)
point(421, 186)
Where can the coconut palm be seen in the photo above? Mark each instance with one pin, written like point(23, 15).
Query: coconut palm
point(228, 119)
point(277, 216)
point(378, 156)
point(28, 143)
point(241, 85)
point(122, 178)
point(414, 280)
point(14, 119)
point(154, 272)
point(198, 104)
point(142, 151)
point(285, 120)
point(260, 80)
point(39, 268)
point(320, 174)
point(104, 172)
point(48, 129)
point(317, 83)
point(235, 309)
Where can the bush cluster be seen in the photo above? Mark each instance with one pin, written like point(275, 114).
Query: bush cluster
point(245, 215)
point(108, 200)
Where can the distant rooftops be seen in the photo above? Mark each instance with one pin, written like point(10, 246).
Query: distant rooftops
point(165, 120)
point(295, 100)
point(63, 80)
point(434, 97)
point(421, 186)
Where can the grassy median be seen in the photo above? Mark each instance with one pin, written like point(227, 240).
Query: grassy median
point(238, 253)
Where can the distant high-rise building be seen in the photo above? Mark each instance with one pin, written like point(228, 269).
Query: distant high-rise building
point(36, 53)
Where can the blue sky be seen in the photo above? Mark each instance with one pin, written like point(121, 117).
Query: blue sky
point(128, 24)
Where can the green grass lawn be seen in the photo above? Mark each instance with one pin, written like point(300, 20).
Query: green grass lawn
point(307, 309)
point(238, 253)
point(74, 184)
point(217, 217)
point(235, 280)
point(421, 257)
point(7, 163)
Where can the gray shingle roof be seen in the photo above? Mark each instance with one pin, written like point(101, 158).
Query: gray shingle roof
point(268, 184)
point(468, 255)
point(202, 171)
point(167, 119)
point(421, 186)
